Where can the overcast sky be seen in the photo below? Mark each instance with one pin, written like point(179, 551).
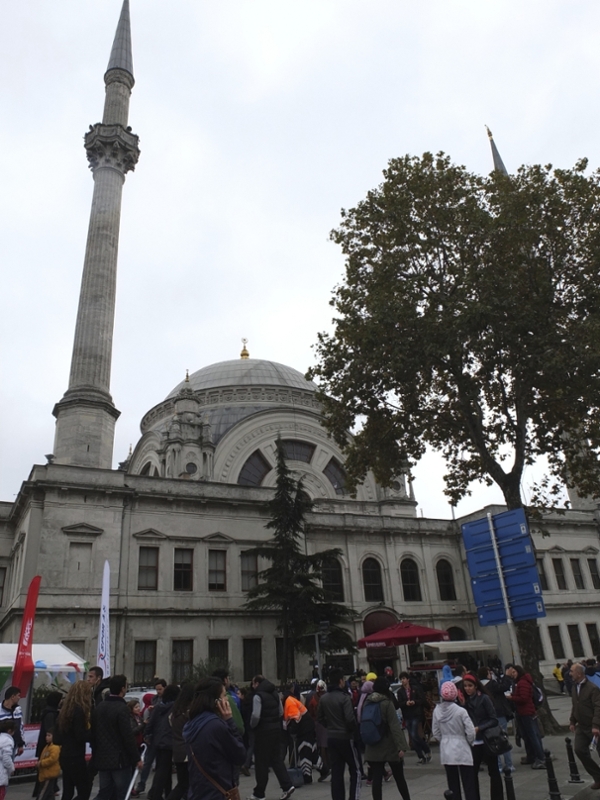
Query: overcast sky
point(259, 120)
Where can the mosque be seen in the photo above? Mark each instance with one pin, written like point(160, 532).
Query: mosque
point(176, 519)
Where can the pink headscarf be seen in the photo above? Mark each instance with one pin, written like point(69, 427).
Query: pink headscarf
point(365, 689)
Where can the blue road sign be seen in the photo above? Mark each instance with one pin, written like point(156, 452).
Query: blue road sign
point(517, 562)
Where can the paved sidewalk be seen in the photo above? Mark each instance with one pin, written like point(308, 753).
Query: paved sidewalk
point(429, 782)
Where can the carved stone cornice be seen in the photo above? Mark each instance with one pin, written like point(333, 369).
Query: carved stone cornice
point(111, 146)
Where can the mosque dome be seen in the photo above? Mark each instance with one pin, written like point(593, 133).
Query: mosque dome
point(244, 372)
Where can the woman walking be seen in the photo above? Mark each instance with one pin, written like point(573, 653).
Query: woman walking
point(301, 728)
point(483, 716)
point(452, 727)
point(392, 743)
point(522, 699)
point(160, 733)
point(213, 742)
point(72, 734)
point(178, 718)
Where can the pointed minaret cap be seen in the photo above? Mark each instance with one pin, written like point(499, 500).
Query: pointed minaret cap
point(121, 56)
point(498, 163)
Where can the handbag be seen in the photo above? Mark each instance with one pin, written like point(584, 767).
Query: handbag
point(231, 794)
point(496, 740)
point(295, 773)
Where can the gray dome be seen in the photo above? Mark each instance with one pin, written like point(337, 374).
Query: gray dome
point(245, 372)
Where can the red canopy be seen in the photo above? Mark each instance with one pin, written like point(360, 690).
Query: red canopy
point(403, 633)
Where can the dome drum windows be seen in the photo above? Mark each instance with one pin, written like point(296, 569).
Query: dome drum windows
point(336, 475)
point(255, 470)
point(295, 450)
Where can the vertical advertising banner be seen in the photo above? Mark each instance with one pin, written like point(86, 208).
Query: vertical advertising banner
point(103, 655)
point(23, 670)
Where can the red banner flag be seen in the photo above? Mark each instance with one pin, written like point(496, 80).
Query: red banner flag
point(23, 671)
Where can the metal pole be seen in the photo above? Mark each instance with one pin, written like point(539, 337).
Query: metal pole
point(553, 790)
point(509, 621)
point(509, 783)
point(318, 652)
point(575, 777)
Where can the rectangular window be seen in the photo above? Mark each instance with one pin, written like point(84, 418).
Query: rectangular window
point(576, 642)
point(249, 574)
point(542, 574)
point(593, 565)
point(556, 641)
point(592, 631)
point(2, 584)
point(218, 653)
point(80, 564)
point(216, 570)
point(144, 665)
point(148, 568)
point(183, 564)
point(577, 573)
point(252, 658)
point(182, 659)
point(559, 572)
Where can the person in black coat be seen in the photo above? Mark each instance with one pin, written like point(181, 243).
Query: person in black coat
point(160, 733)
point(412, 702)
point(114, 750)
point(178, 718)
point(72, 734)
point(483, 715)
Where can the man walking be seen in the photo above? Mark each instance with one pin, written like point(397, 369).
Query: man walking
point(10, 709)
point(266, 721)
point(585, 720)
point(413, 702)
point(114, 750)
point(336, 714)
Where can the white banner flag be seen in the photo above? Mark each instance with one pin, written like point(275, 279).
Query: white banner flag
point(103, 655)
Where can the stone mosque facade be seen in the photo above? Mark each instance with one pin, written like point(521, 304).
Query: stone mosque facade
point(176, 520)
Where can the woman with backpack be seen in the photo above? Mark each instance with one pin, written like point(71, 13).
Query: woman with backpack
point(522, 699)
point(483, 716)
point(383, 738)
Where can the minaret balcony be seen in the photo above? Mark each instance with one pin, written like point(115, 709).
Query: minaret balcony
point(111, 146)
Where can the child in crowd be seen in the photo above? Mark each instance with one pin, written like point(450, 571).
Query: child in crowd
point(7, 746)
point(48, 768)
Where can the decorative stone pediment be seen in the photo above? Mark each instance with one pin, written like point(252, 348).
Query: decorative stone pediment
point(557, 549)
point(218, 538)
point(590, 551)
point(82, 529)
point(150, 533)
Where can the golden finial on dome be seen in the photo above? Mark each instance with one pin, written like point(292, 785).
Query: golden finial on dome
point(187, 376)
point(244, 353)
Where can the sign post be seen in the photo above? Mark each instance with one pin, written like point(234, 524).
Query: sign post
point(514, 644)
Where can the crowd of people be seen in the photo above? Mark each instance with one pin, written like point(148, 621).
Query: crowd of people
point(212, 732)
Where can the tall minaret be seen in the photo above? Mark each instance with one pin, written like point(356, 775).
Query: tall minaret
point(86, 415)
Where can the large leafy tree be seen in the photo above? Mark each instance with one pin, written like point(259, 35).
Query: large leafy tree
point(469, 322)
point(291, 586)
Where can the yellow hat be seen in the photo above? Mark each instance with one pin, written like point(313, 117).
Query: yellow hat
point(371, 676)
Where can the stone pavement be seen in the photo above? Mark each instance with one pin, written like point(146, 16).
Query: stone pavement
point(429, 782)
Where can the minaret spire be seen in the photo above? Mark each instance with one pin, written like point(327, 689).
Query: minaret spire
point(86, 416)
point(498, 163)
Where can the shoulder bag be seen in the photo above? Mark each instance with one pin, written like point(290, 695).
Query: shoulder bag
point(231, 794)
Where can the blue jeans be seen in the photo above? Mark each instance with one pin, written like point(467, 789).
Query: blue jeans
point(531, 736)
point(114, 783)
point(508, 762)
point(419, 744)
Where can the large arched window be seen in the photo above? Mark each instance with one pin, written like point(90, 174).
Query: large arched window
point(372, 581)
point(411, 586)
point(296, 450)
point(255, 470)
point(333, 582)
point(337, 477)
point(445, 578)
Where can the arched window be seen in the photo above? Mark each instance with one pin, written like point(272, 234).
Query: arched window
point(146, 468)
point(411, 586)
point(337, 477)
point(372, 581)
point(254, 470)
point(295, 450)
point(445, 578)
point(333, 582)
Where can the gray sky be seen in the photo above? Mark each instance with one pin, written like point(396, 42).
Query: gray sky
point(258, 120)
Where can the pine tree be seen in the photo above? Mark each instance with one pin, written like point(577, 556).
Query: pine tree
point(291, 585)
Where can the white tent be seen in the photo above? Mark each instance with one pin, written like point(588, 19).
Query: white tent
point(46, 657)
point(466, 646)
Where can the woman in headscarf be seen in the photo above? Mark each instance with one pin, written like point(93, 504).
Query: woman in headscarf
point(72, 734)
point(301, 728)
point(452, 727)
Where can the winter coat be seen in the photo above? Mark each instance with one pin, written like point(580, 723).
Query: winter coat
point(481, 710)
point(495, 689)
point(235, 706)
point(452, 727)
point(179, 749)
point(593, 675)
point(393, 739)
point(335, 713)
point(267, 710)
point(418, 696)
point(113, 741)
point(15, 714)
point(47, 723)
point(7, 746)
point(522, 696)
point(73, 740)
point(216, 744)
point(158, 729)
point(48, 765)
point(585, 709)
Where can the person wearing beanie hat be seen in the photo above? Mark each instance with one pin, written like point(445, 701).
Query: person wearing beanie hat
point(371, 676)
point(452, 727)
point(483, 715)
